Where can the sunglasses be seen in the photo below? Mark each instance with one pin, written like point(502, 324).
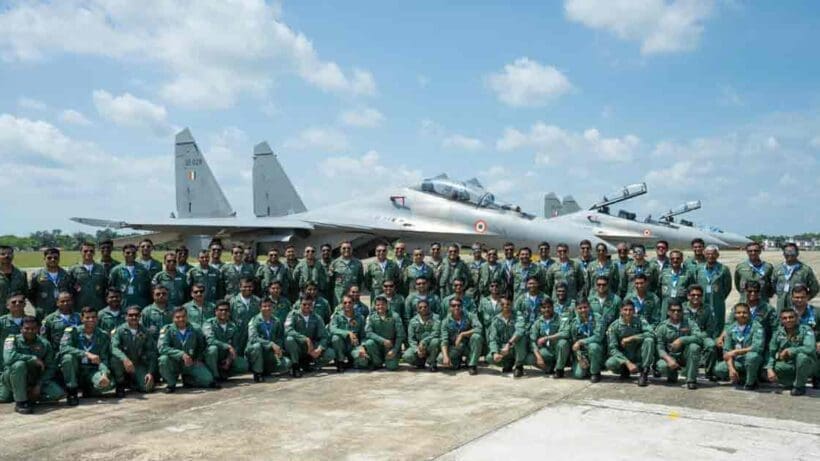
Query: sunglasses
point(198, 291)
point(132, 315)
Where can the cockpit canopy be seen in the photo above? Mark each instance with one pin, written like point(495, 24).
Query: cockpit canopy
point(471, 192)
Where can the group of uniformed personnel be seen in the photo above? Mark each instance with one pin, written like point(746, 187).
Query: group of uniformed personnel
point(110, 325)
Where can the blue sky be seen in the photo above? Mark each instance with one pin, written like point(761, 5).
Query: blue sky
point(710, 100)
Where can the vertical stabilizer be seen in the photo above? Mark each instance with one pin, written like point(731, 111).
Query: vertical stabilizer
point(569, 205)
point(552, 206)
point(273, 193)
point(198, 193)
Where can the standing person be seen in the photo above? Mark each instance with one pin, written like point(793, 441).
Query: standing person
point(146, 260)
point(422, 293)
point(113, 315)
point(454, 268)
point(273, 271)
point(583, 334)
point(224, 355)
point(508, 341)
point(475, 273)
point(461, 338)
point(133, 355)
point(622, 260)
point(291, 261)
point(12, 279)
point(402, 259)
point(29, 369)
point(235, 271)
point(661, 260)
point(792, 354)
point(55, 324)
point(631, 345)
point(280, 304)
point(742, 350)
point(380, 271)
point(754, 269)
point(181, 349)
point(215, 254)
point(490, 306)
point(132, 279)
point(602, 266)
point(604, 302)
point(182, 259)
point(698, 257)
point(806, 315)
point(306, 340)
point(436, 262)
point(544, 259)
point(244, 306)
point(638, 266)
point(347, 272)
point(674, 279)
point(716, 281)
point(326, 260)
point(88, 279)
point(85, 355)
point(46, 283)
point(249, 258)
point(198, 309)
point(528, 305)
point(418, 269)
point(266, 343)
point(509, 264)
point(173, 280)
point(309, 270)
point(567, 271)
point(492, 272)
point(468, 305)
point(106, 260)
point(158, 314)
point(395, 301)
point(206, 275)
point(423, 339)
point(525, 270)
point(385, 335)
point(584, 260)
point(791, 273)
point(678, 346)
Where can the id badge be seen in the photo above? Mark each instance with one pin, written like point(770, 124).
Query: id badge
point(786, 287)
point(708, 289)
point(130, 290)
point(55, 293)
point(85, 361)
point(673, 293)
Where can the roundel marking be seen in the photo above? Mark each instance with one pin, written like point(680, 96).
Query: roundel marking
point(480, 226)
point(647, 232)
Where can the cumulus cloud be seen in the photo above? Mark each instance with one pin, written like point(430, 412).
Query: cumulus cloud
point(458, 141)
point(365, 117)
point(356, 176)
point(661, 26)
point(214, 51)
point(525, 83)
point(319, 139)
point(550, 141)
point(74, 117)
point(31, 104)
point(131, 111)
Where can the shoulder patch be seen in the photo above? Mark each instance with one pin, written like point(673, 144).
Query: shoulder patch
point(163, 330)
point(113, 332)
point(69, 328)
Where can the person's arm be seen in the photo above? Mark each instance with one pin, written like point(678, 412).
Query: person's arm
point(338, 326)
point(811, 283)
point(370, 333)
point(116, 351)
point(211, 338)
point(50, 362)
point(737, 277)
point(12, 355)
point(725, 282)
point(290, 331)
point(67, 344)
point(694, 336)
point(774, 349)
point(400, 335)
point(614, 339)
point(165, 346)
point(808, 345)
point(660, 344)
point(412, 333)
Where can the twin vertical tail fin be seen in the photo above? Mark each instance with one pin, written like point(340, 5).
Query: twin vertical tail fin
point(198, 193)
point(273, 193)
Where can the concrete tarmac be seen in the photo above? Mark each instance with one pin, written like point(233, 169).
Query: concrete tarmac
point(412, 414)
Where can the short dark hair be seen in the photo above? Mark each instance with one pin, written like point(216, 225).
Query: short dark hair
point(30, 319)
point(800, 288)
point(179, 309)
point(694, 286)
point(753, 284)
point(88, 310)
point(51, 251)
point(223, 303)
point(697, 240)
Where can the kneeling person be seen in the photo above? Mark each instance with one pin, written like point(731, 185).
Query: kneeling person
point(742, 350)
point(224, 339)
point(85, 354)
point(461, 337)
point(583, 333)
point(631, 345)
point(306, 339)
point(347, 333)
point(422, 338)
point(133, 355)
point(544, 335)
point(182, 351)
point(385, 335)
point(791, 354)
point(679, 346)
point(30, 366)
point(266, 342)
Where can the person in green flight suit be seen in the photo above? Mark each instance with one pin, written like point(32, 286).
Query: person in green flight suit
point(12, 322)
point(673, 280)
point(85, 355)
point(47, 282)
point(347, 272)
point(55, 323)
point(181, 347)
point(461, 337)
point(310, 270)
point(175, 281)
point(106, 260)
point(544, 259)
point(281, 305)
point(266, 343)
point(806, 315)
point(244, 307)
point(88, 279)
point(132, 279)
point(416, 270)
point(528, 305)
point(678, 346)
point(451, 269)
point(543, 338)
point(698, 313)
point(236, 270)
point(524, 271)
point(791, 273)
point(133, 355)
point(792, 354)
point(326, 259)
point(199, 310)
point(291, 261)
point(459, 288)
point(583, 334)
point(584, 260)
point(29, 368)
point(604, 302)
point(113, 315)
point(380, 271)
point(492, 272)
point(346, 335)
point(385, 334)
point(207, 276)
point(647, 304)
point(158, 314)
point(224, 336)
point(272, 270)
point(12, 279)
point(423, 338)
point(508, 340)
point(150, 264)
point(757, 270)
point(631, 345)
point(565, 270)
point(698, 246)
point(762, 313)
point(639, 265)
point(602, 266)
point(742, 350)
point(306, 339)
point(716, 281)
point(475, 272)
point(422, 293)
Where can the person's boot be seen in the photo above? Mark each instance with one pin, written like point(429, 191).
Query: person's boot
point(295, 371)
point(643, 380)
point(672, 378)
point(655, 372)
point(798, 391)
point(596, 378)
point(215, 385)
point(750, 387)
point(120, 392)
point(433, 367)
point(692, 386)
point(624, 372)
point(72, 400)
point(258, 378)
point(506, 369)
point(559, 373)
point(24, 407)
point(340, 368)
point(473, 370)
point(815, 382)
point(170, 389)
point(519, 372)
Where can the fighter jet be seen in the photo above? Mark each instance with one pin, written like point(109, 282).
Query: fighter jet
point(438, 209)
point(627, 228)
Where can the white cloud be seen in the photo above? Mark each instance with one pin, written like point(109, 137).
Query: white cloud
point(32, 104)
point(74, 117)
point(772, 143)
point(319, 139)
point(462, 142)
point(129, 110)
point(27, 141)
point(214, 51)
point(353, 176)
point(499, 179)
point(661, 26)
point(365, 117)
point(527, 83)
point(551, 142)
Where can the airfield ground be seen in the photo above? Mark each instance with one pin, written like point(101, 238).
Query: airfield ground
point(413, 414)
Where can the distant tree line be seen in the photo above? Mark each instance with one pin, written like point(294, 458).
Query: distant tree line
point(56, 238)
point(779, 240)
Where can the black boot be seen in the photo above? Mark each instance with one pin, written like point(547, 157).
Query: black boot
point(24, 408)
point(624, 372)
point(750, 387)
point(692, 386)
point(672, 378)
point(215, 385)
point(798, 391)
point(559, 373)
point(340, 368)
point(258, 378)
point(295, 371)
point(815, 382)
point(643, 380)
point(473, 370)
point(507, 369)
point(120, 392)
point(433, 367)
point(596, 378)
point(170, 389)
point(72, 400)
point(519, 372)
